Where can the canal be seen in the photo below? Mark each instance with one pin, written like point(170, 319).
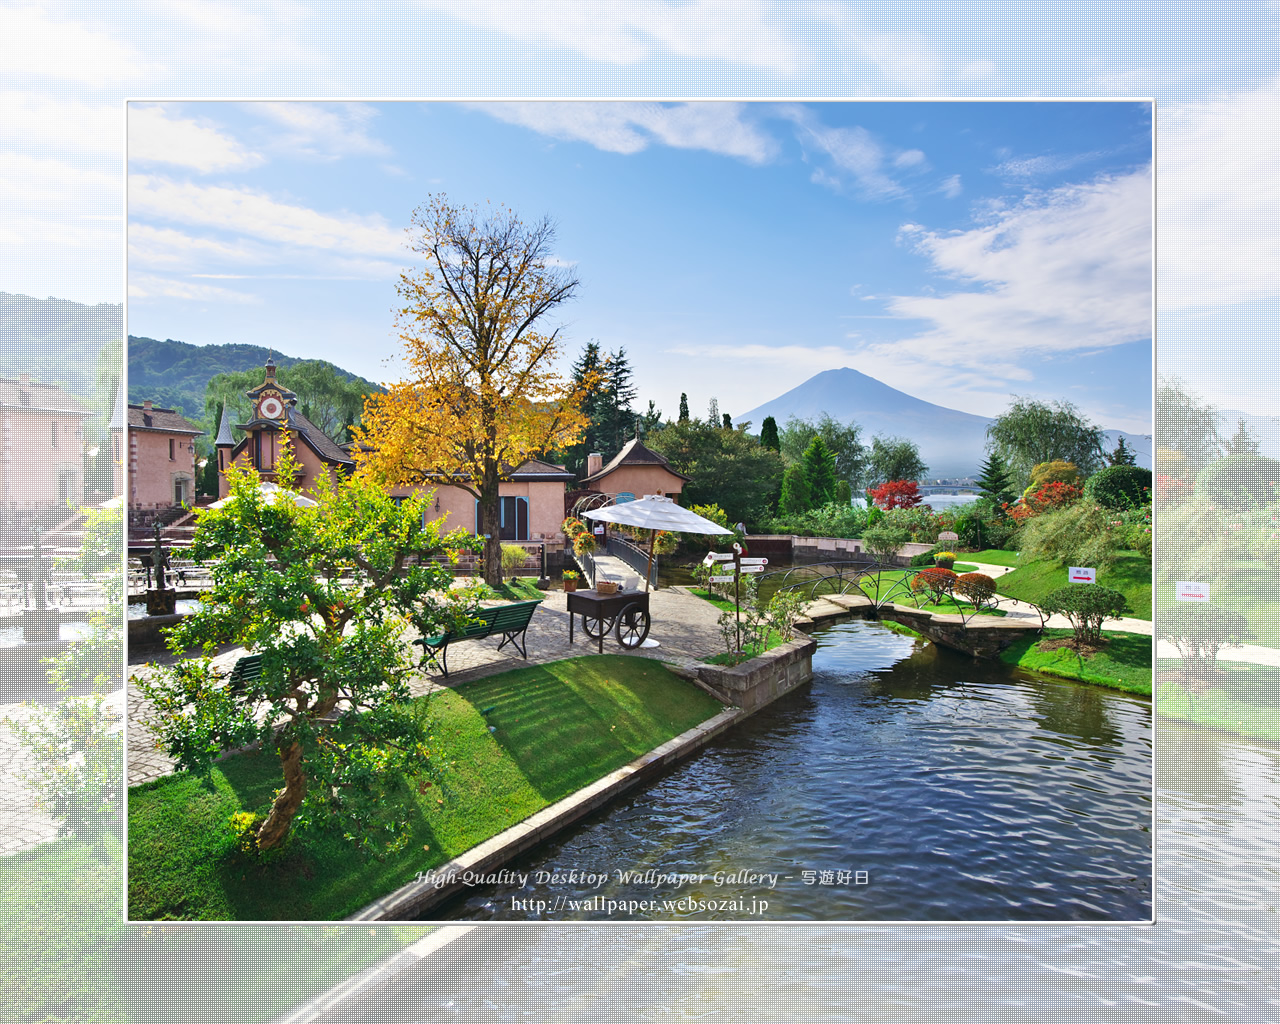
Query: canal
point(906, 783)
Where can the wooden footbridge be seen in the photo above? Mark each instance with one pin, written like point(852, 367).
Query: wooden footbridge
point(873, 590)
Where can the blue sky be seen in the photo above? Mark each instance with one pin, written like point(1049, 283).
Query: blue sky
point(960, 251)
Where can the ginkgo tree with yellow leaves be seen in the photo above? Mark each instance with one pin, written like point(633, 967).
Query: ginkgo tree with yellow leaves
point(482, 394)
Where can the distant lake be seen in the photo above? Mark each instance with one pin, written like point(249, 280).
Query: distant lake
point(942, 502)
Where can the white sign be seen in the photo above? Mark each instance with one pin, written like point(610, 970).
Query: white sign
point(753, 568)
point(717, 556)
point(721, 579)
point(599, 531)
point(755, 561)
point(1078, 575)
point(1192, 591)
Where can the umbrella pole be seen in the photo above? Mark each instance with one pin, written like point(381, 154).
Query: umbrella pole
point(653, 539)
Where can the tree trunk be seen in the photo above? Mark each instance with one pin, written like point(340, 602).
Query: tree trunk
point(275, 830)
point(488, 528)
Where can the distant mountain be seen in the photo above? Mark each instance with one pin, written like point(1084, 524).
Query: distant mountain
point(174, 374)
point(55, 340)
point(952, 443)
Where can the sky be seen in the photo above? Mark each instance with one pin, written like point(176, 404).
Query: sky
point(960, 251)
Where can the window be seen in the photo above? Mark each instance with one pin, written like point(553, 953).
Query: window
point(513, 518)
point(172, 442)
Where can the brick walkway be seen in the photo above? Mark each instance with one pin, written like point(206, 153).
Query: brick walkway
point(21, 825)
point(684, 627)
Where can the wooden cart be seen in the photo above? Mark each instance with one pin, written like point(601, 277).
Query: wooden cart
point(625, 613)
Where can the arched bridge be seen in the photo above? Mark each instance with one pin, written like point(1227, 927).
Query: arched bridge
point(874, 590)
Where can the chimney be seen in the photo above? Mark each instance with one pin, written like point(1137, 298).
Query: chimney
point(24, 378)
point(594, 463)
point(146, 405)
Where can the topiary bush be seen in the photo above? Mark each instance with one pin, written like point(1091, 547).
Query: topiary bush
point(1119, 487)
point(937, 581)
point(1239, 481)
point(976, 587)
point(1085, 605)
point(1199, 631)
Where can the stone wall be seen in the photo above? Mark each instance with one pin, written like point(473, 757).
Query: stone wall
point(757, 682)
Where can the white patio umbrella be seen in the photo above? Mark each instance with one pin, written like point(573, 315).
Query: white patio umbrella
point(272, 494)
point(654, 512)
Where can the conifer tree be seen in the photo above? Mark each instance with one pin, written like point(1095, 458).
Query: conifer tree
point(819, 466)
point(769, 434)
point(796, 498)
point(993, 480)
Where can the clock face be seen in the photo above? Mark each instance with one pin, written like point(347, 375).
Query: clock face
point(270, 407)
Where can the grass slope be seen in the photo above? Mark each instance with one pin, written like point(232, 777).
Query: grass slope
point(1243, 699)
point(1131, 575)
point(556, 728)
point(1125, 664)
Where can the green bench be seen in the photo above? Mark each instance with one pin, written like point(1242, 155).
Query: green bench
point(507, 620)
point(247, 670)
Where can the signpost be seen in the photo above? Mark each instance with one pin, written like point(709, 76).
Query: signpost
point(718, 561)
point(1075, 574)
point(1198, 592)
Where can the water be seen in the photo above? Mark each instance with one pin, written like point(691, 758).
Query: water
point(965, 792)
point(184, 606)
point(11, 636)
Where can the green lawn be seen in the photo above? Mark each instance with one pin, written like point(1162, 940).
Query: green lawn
point(1125, 664)
point(1131, 575)
point(556, 728)
point(74, 960)
point(994, 556)
point(903, 595)
point(1243, 699)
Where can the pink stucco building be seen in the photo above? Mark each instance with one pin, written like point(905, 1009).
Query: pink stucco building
point(634, 472)
point(162, 457)
point(41, 445)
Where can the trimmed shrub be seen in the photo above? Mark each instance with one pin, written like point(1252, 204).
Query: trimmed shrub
point(1057, 471)
point(1239, 481)
point(883, 542)
point(1119, 487)
point(1085, 605)
point(976, 587)
point(937, 581)
point(1199, 632)
point(1080, 534)
point(1050, 496)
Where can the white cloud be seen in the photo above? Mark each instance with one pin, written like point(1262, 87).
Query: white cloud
point(1219, 210)
point(854, 152)
point(1025, 168)
point(44, 122)
point(324, 131)
point(148, 286)
point(257, 215)
point(37, 45)
point(159, 134)
point(909, 158)
point(1063, 272)
point(631, 127)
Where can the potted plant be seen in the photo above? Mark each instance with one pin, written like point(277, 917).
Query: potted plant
point(570, 581)
point(944, 559)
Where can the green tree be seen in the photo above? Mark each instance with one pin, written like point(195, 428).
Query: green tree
point(842, 439)
point(650, 420)
point(726, 421)
point(769, 434)
point(796, 498)
point(617, 421)
point(894, 458)
point(684, 408)
point(993, 479)
point(1123, 455)
point(819, 472)
point(1187, 427)
point(728, 468)
point(588, 373)
point(323, 593)
point(1030, 432)
point(1242, 442)
point(1085, 606)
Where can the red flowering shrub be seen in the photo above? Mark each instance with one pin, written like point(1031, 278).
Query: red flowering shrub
point(895, 494)
point(1171, 488)
point(1052, 496)
point(937, 581)
point(976, 587)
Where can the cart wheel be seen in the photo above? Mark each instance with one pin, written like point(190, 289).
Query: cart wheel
point(589, 626)
point(633, 626)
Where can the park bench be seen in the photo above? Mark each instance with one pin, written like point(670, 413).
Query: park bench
point(247, 670)
point(507, 620)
